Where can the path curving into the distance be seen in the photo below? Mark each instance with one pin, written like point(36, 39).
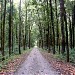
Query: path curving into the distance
point(35, 64)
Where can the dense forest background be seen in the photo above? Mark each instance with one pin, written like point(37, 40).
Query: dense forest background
point(50, 24)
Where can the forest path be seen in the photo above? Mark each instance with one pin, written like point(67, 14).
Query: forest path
point(35, 64)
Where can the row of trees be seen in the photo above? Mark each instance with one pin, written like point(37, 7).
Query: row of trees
point(15, 31)
point(49, 23)
point(56, 25)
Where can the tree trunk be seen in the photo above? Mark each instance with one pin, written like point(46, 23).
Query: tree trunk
point(57, 24)
point(48, 26)
point(3, 34)
point(67, 46)
point(12, 24)
point(20, 28)
point(70, 28)
point(29, 36)
point(1, 25)
point(73, 24)
point(10, 29)
point(62, 24)
point(52, 23)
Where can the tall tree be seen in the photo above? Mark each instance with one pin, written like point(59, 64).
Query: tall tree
point(52, 23)
point(20, 28)
point(1, 24)
point(48, 35)
point(3, 29)
point(73, 26)
point(57, 23)
point(70, 28)
point(25, 27)
point(66, 29)
point(10, 20)
point(62, 24)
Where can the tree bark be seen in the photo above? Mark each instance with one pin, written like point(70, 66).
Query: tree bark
point(70, 28)
point(52, 23)
point(3, 34)
point(20, 28)
point(10, 19)
point(73, 24)
point(62, 24)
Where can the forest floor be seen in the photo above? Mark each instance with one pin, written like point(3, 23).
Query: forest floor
point(37, 62)
point(62, 67)
point(13, 64)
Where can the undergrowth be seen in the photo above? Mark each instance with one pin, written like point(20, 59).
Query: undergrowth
point(63, 56)
point(11, 58)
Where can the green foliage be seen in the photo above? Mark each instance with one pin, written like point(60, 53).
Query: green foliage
point(60, 56)
point(72, 55)
point(34, 2)
point(11, 58)
point(63, 56)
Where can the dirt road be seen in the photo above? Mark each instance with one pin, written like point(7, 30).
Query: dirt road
point(35, 64)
